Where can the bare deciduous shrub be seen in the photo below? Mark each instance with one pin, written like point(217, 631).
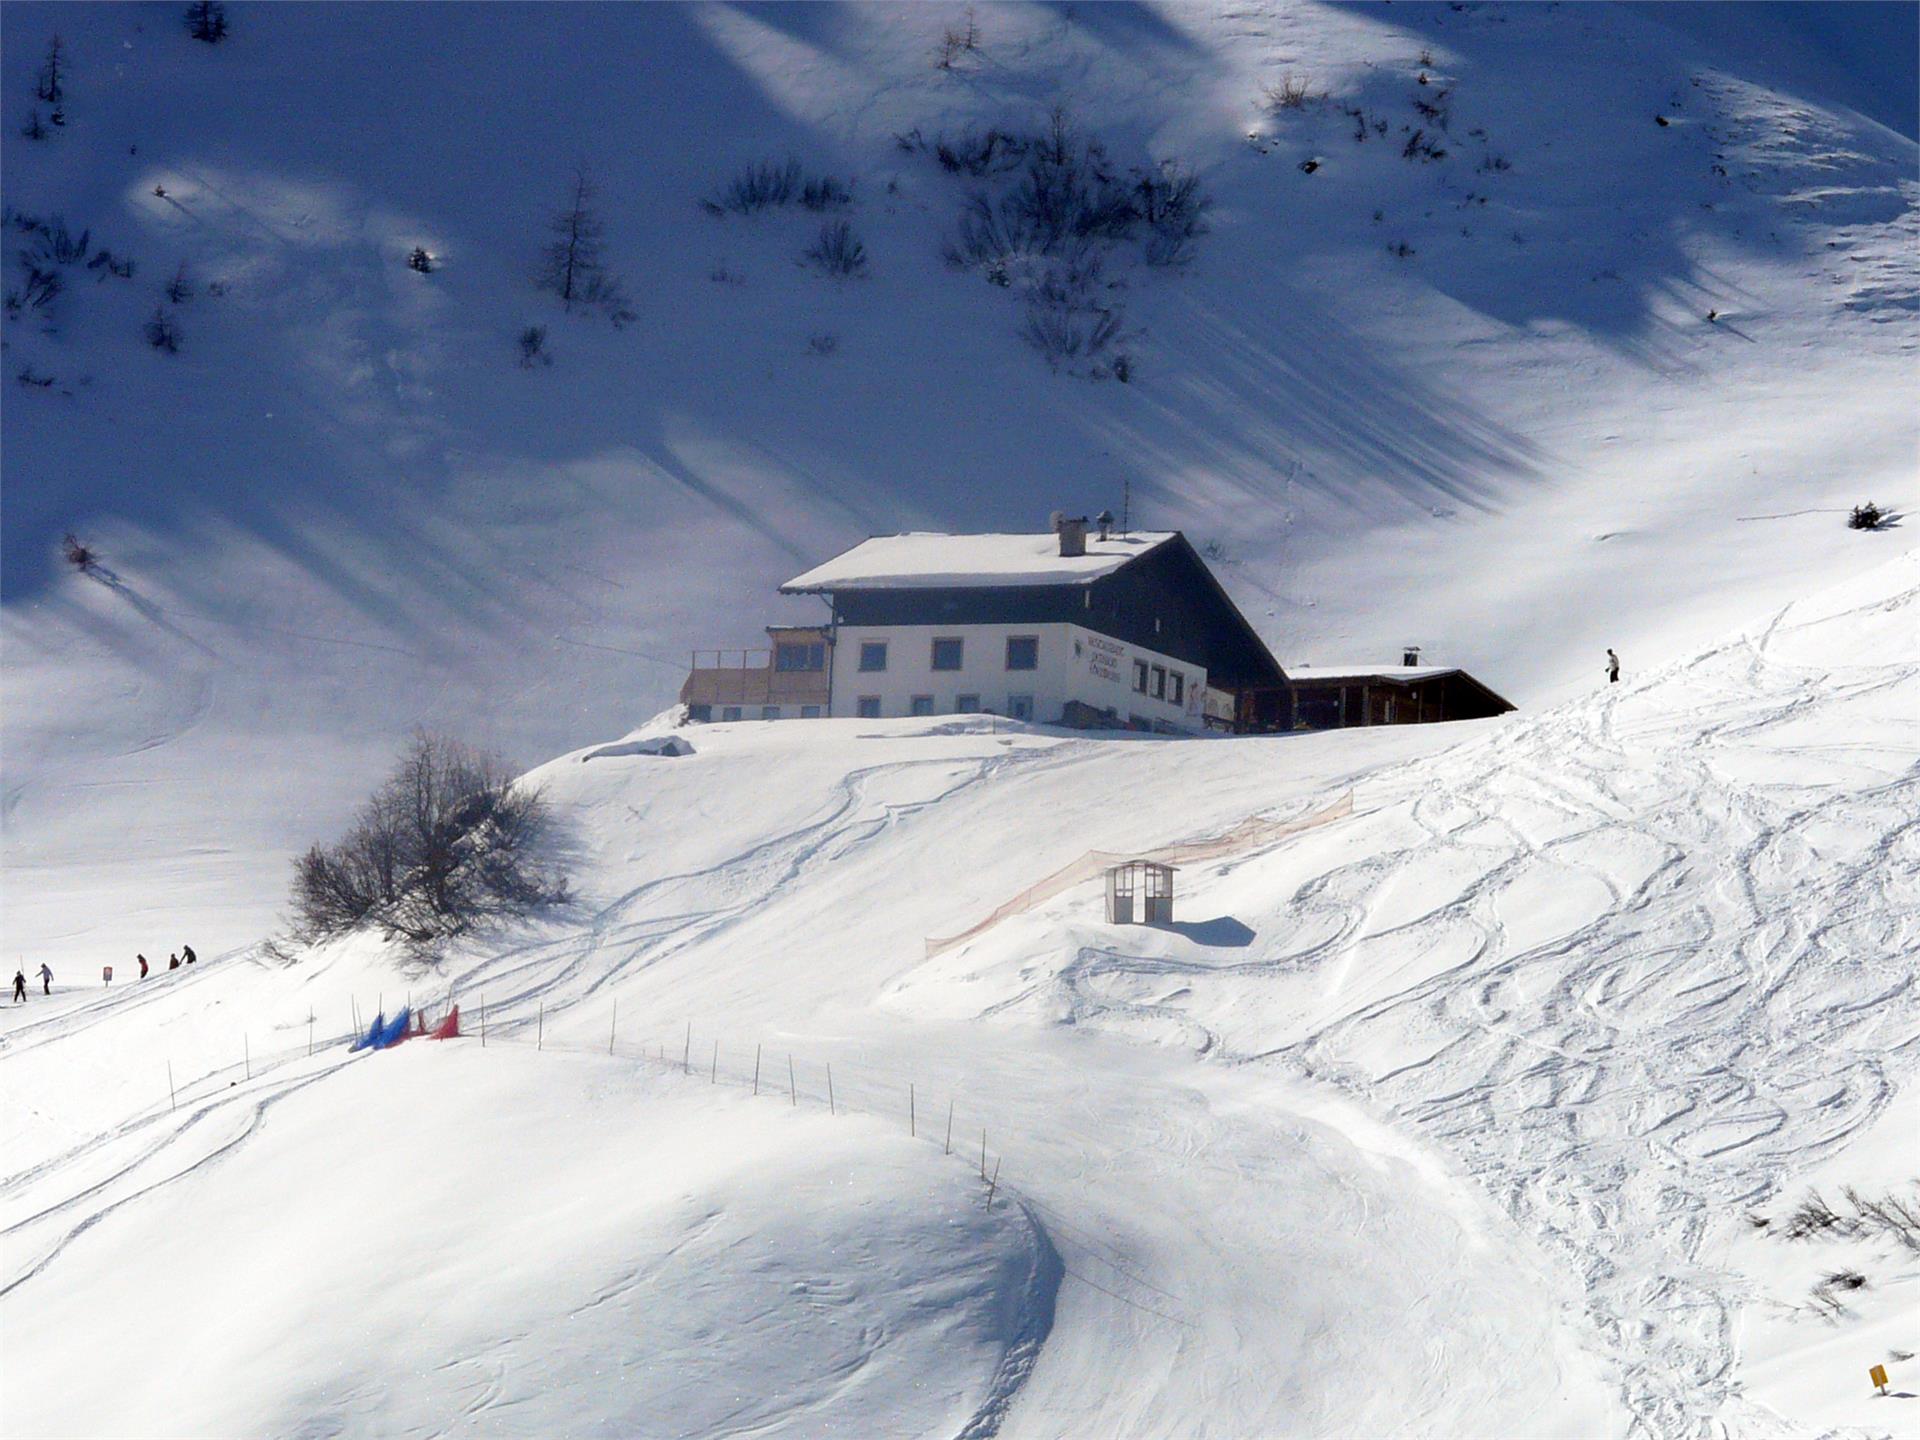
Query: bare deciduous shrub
point(1289, 92)
point(533, 347)
point(33, 129)
point(824, 192)
point(180, 288)
point(449, 841)
point(419, 259)
point(838, 251)
point(956, 41)
point(81, 557)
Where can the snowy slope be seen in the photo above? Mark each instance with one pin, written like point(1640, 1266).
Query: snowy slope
point(342, 510)
point(1479, 1077)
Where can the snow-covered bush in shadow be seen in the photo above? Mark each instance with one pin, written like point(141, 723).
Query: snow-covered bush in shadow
point(771, 185)
point(838, 251)
point(1049, 228)
point(449, 841)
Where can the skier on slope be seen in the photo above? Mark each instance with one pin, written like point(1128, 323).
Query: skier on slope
point(186, 953)
point(1613, 668)
point(46, 979)
point(143, 965)
point(19, 986)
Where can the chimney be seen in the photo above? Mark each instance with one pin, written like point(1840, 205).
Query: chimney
point(1073, 534)
point(1105, 521)
point(1410, 656)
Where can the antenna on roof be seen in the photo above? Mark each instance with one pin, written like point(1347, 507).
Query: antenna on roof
point(1126, 505)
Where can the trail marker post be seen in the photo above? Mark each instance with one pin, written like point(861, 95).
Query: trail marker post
point(756, 1069)
point(830, 1109)
point(793, 1090)
point(173, 1101)
point(1878, 1374)
point(947, 1149)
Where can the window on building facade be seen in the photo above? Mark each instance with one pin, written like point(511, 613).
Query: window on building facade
point(967, 704)
point(1023, 652)
point(868, 707)
point(809, 712)
point(1020, 707)
point(873, 654)
point(1176, 687)
point(1140, 676)
point(921, 705)
point(700, 713)
point(1159, 682)
point(947, 653)
point(730, 712)
point(802, 656)
point(769, 712)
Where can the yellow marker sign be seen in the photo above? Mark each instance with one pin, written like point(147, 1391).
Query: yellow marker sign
point(1878, 1374)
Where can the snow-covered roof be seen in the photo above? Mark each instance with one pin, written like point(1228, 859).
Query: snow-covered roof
point(1334, 674)
point(923, 561)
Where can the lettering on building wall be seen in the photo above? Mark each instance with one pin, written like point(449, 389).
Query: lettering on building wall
point(1105, 657)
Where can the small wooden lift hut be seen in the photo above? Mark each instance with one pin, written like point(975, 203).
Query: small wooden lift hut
point(1140, 892)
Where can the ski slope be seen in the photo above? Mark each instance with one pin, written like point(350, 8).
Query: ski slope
point(1479, 1079)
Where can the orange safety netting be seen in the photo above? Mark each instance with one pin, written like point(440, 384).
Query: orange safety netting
point(1249, 834)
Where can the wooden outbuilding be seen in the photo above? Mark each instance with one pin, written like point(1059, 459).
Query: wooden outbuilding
point(1140, 892)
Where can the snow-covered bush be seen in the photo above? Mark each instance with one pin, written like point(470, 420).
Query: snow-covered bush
point(162, 332)
point(838, 251)
point(449, 841)
point(207, 20)
point(1866, 517)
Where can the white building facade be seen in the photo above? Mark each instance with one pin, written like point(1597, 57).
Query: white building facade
point(1023, 671)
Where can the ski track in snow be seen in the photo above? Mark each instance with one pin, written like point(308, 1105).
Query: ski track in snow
point(1729, 1017)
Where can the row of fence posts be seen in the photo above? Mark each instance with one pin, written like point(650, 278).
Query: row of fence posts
point(686, 1068)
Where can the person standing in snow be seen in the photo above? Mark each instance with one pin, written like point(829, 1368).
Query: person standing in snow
point(186, 953)
point(19, 986)
point(173, 962)
point(106, 974)
point(46, 979)
point(1613, 668)
point(143, 965)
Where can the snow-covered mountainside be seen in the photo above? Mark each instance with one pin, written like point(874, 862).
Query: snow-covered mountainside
point(1484, 1067)
point(1481, 1086)
point(1470, 400)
